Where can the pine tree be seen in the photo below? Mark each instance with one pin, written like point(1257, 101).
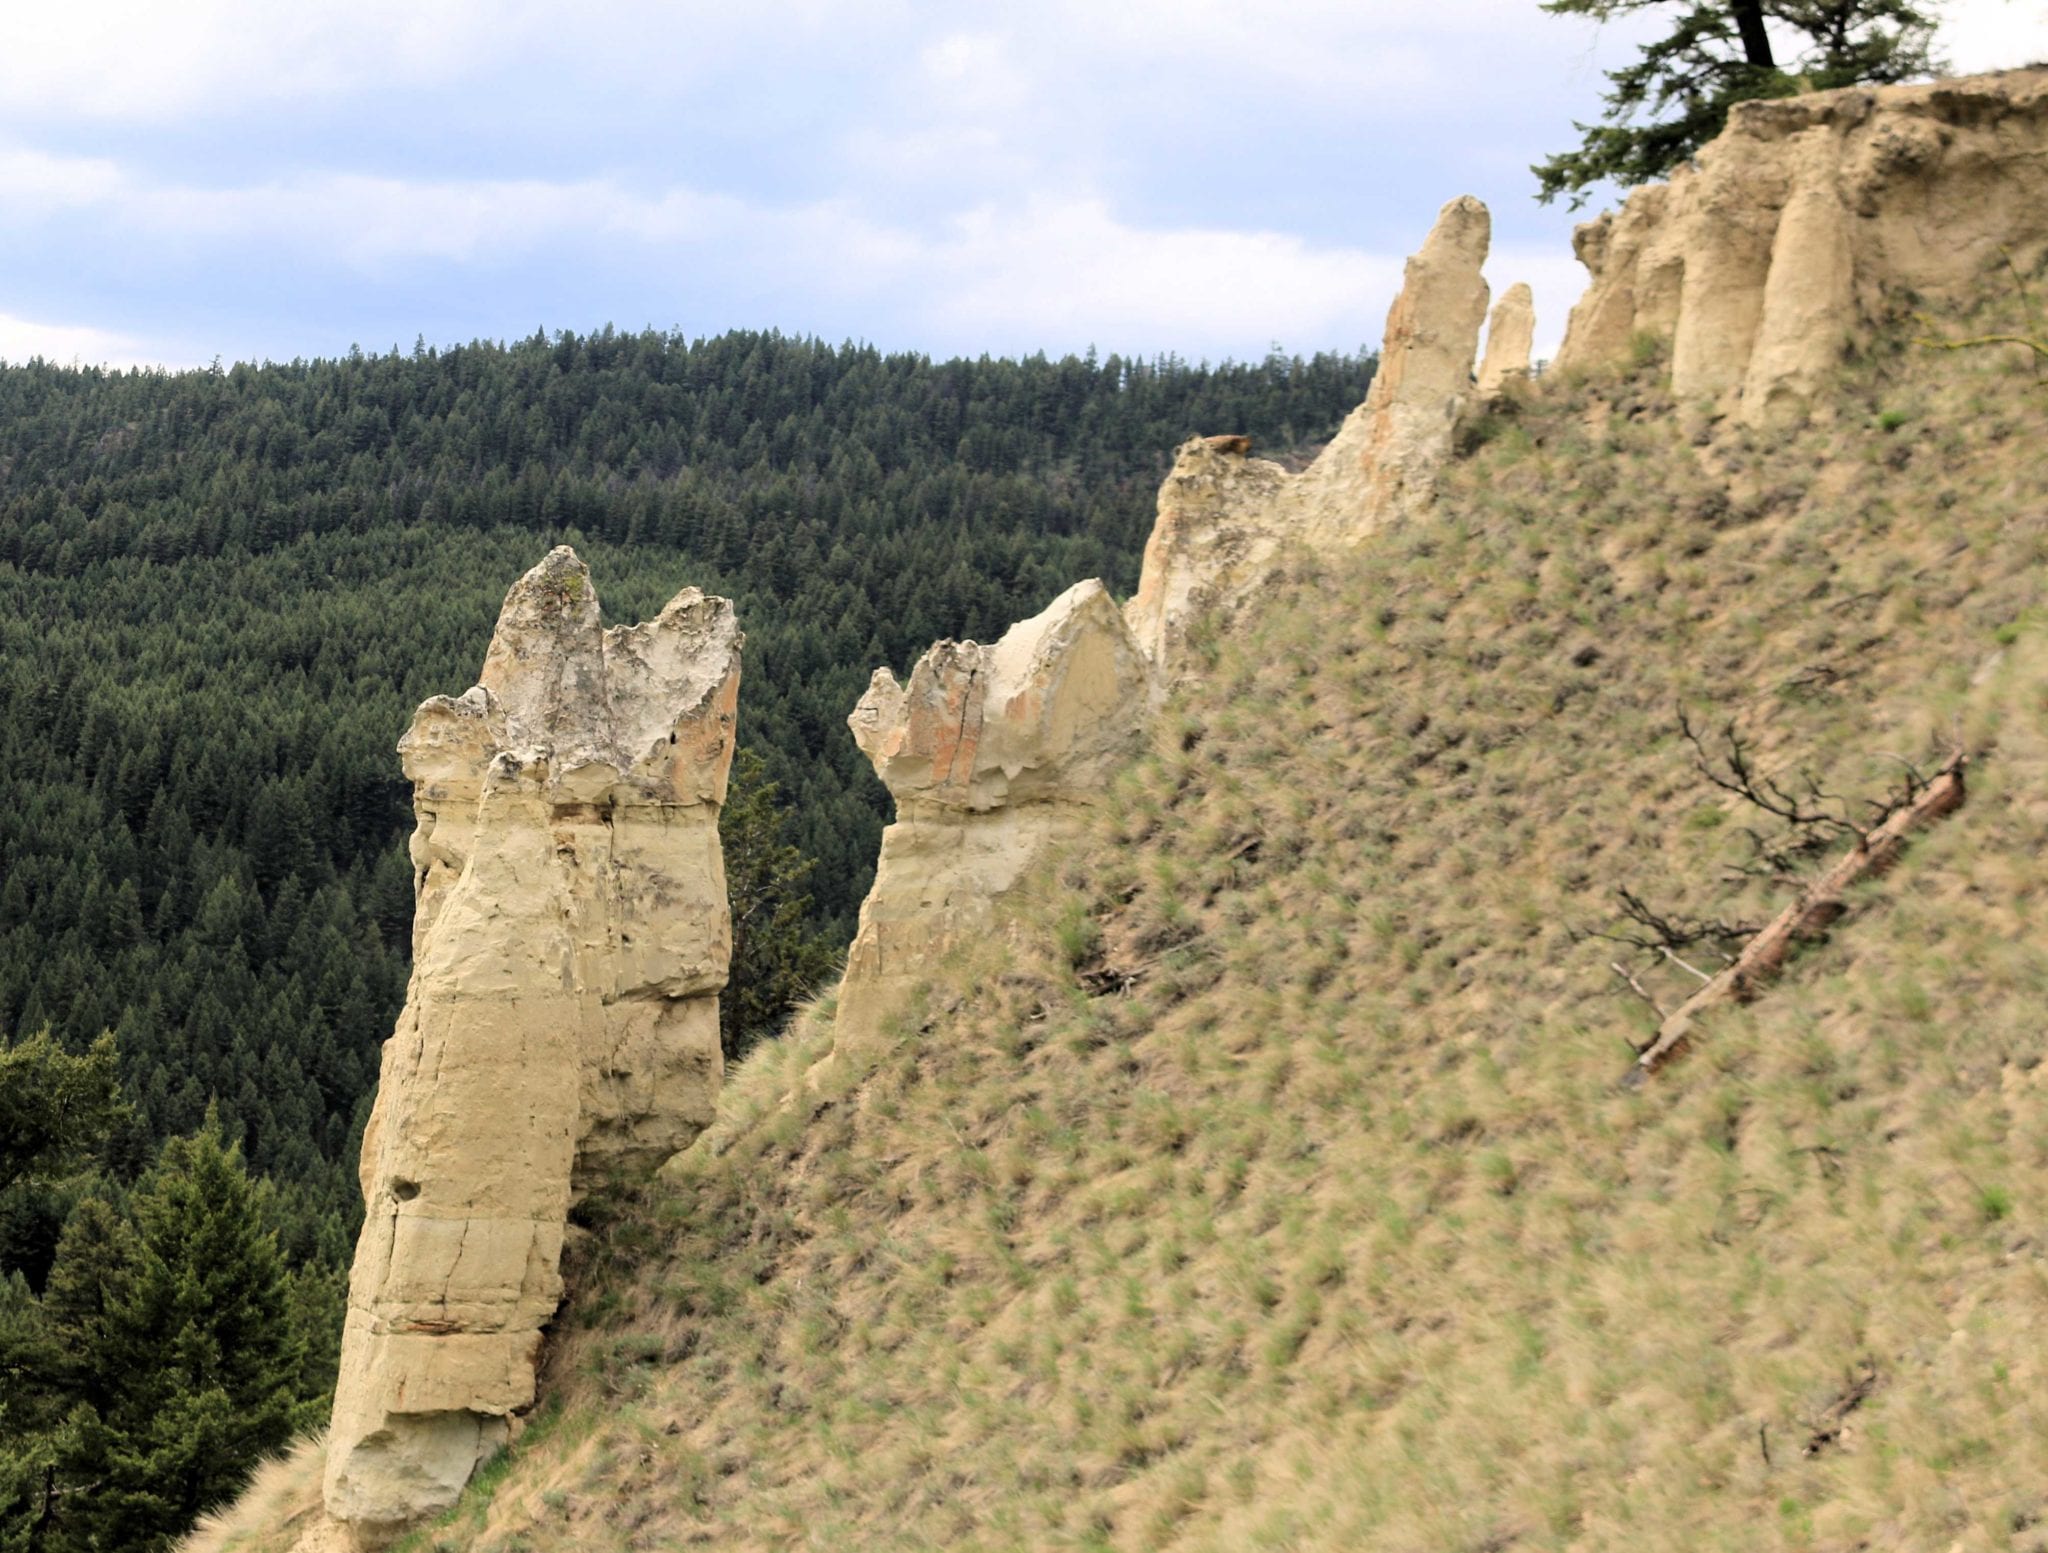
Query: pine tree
point(55, 1108)
point(193, 1376)
point(777, 961)
point(30, 1413)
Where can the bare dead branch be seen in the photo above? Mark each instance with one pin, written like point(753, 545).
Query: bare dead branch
point(1681, 964)
point(1808, 917)
point(1974, 342)
point(2037, 346)
point(1735, 772)
point(1673, 932)
point(1636, 987)
point(1856, 1389)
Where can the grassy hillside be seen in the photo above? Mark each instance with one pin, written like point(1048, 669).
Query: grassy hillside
point(1272, 1187)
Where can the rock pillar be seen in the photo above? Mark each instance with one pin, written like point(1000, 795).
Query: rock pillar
point(992, 754)
point(1510, 336)
point(570, 940)
point(1809, 219)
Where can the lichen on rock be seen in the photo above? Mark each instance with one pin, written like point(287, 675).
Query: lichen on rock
point(570, 939)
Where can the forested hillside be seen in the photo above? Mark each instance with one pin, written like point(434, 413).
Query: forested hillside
point(222, 593)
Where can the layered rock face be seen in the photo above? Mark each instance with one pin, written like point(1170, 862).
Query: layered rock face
point(991, 754)
point(570, 939)
point(1224, 518)
point(1805, 222)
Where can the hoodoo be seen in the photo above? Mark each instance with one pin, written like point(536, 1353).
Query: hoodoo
point(1805, 222)
point(1223, 519)
point(571, 937)
point(1384, 461)
point(1510, 335)
point(992, 754)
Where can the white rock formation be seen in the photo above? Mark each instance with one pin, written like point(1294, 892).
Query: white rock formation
point(1382, 464)
point(1510, 336)
point(1224, 518)
point(991, 754)
point(1809, 219)
point(1219, 525)
point(570, 941)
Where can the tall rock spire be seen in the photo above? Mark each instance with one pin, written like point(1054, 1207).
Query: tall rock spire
point(1224, 518)
point(1510, 336)
point(570, 938)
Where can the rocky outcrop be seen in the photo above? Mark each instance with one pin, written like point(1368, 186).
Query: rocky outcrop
point(1224, 518)
point(1510, 336)
point(1383, 463)
point(991, 754)
point(570, 939)
point(1808, 220)
point(1219, 527)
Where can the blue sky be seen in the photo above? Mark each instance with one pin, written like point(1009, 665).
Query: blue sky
point(256, 179)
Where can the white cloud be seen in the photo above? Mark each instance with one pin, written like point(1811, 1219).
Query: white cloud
point(22, 339)
point(150, 61)
point(1004, 177)
point(1994, 34)
point(1068, 271)
point(1053, 268)
point(33, 181)
point(142, 59)
point(975, 72)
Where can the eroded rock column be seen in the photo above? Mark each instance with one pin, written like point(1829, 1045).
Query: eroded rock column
point(1225, 518)
point(992, 754)
point(1805, 222)
point(570, 940)
point(1219, 523)
point(1384, 461)
point(1510, 337)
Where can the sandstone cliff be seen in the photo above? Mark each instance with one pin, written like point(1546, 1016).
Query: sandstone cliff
point(1223, 518)
point(1808, 220)
point(991, 754)
point(570, 940)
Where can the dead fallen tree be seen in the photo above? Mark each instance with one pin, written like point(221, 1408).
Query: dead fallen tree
point(1875, 848)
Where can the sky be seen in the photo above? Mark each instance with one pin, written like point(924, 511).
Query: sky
point(256, 180)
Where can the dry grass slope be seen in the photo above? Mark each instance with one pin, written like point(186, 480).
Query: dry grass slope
point(281, 1496)
point(1271, 1187)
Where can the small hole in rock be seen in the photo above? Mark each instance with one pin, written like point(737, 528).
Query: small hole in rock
point(405, 1191)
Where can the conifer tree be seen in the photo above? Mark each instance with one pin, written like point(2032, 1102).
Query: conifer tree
point(192, 1377)
point(55, 1108)
point(777, 960)
point(31, 1410)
